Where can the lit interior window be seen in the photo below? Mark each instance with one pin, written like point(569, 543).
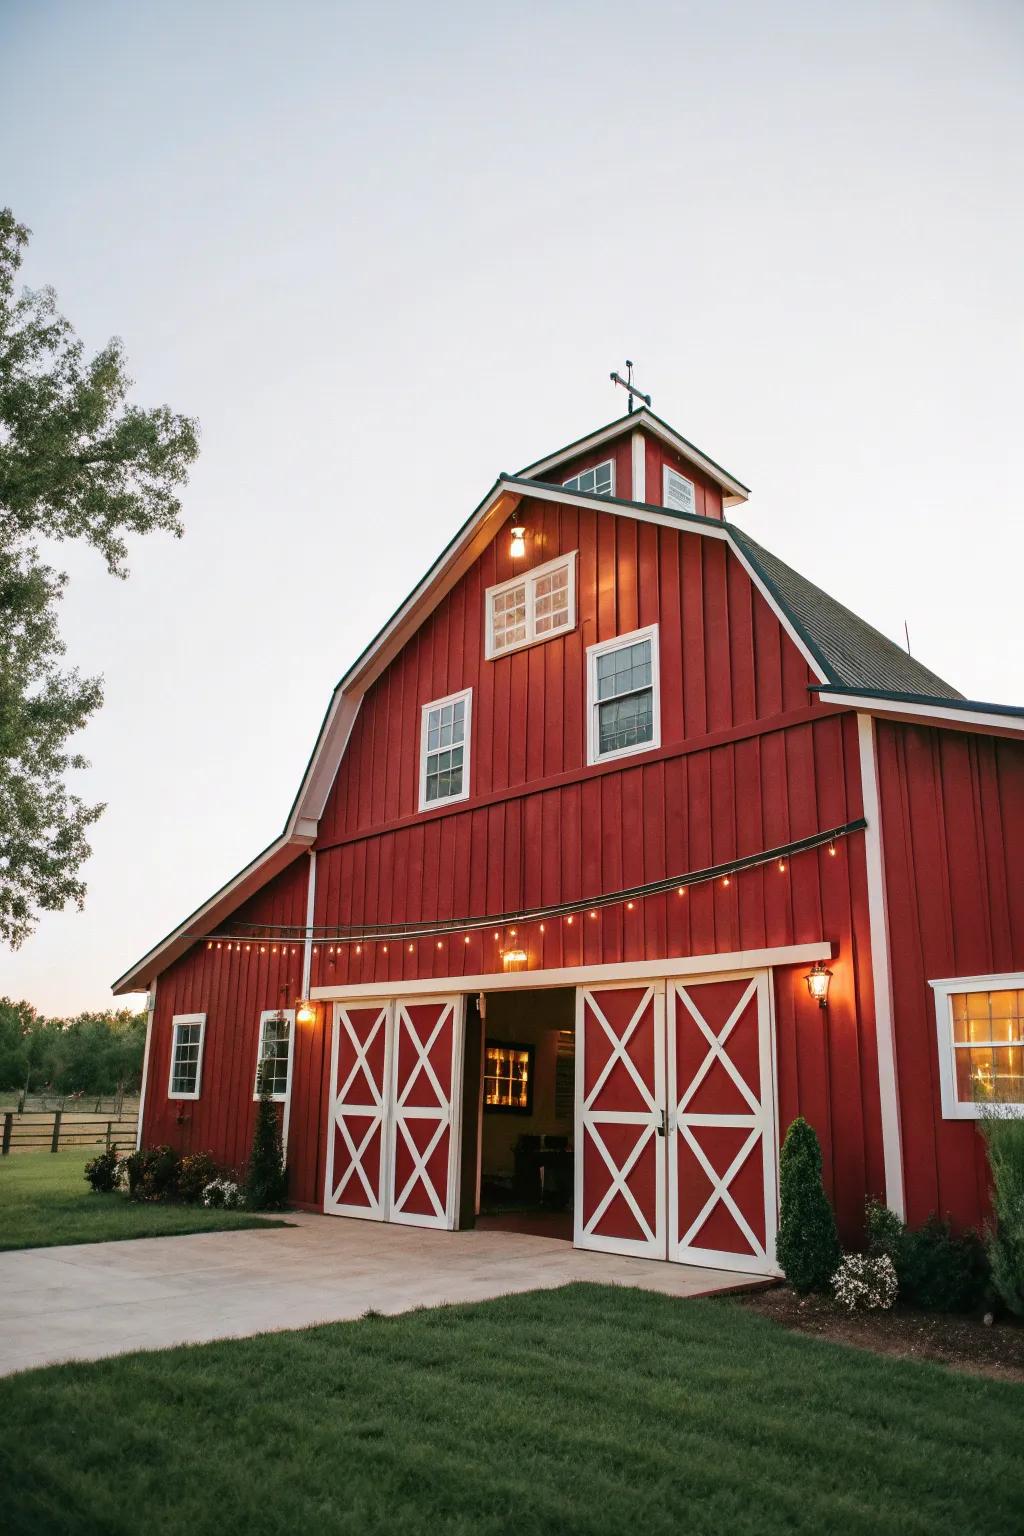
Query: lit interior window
point(988, 1046)
point(508, 1077)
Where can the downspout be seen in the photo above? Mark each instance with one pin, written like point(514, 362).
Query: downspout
point(307, 969)
point(150, 1012)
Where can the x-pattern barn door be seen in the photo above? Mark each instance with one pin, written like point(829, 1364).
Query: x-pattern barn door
point(426, 1092)
point(620, 1119)
point(395, 1086)
point(721, 1175)
point(675, 1121)
point(356, 1183)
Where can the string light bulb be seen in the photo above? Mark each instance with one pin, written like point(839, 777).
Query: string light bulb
point(782, 866)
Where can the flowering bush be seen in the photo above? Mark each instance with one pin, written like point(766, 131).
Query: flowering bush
point(223, 1194)
point(865, 1283)
point(197, 1170)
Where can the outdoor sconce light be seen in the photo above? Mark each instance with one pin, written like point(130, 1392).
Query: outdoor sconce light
point(817, 979)
point(513, 959)
point(518, 546)
point(305, 1011)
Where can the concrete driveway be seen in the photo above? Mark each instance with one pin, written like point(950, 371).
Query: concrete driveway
point(96, 1299)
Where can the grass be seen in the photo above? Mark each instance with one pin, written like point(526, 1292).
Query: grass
point(588, 1410)
point(44, 1200)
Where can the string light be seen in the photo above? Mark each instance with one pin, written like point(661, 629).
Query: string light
point(466, 939)
point(832, 849)
point(385, 949)
point(593, 914)
point(681, 891)
point(629, 906)
point(359, 949)
point(411, 948)
point(542, 927)
point(725, 879)
point(782, 866)
point(569, 919)
point(439, 944)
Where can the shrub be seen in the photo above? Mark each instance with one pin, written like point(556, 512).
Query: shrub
point(196, 1171)
point(152, 1173)
point(936, 1268)
point(1004, 1142)
point(266, 1182)
point(865, 1283)
point(808, 1247)
point(103, 1172)
point(223, 1194)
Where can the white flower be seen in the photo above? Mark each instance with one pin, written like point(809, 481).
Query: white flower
point(864, 1283)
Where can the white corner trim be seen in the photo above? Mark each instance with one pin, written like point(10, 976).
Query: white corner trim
point(465, 696)
point(307, 949)
point(953, 1107)
point(574, 975)
point(602, 648)
point(881, 973)
point(177, 1021)
point(150, 1015)
point(639, 449)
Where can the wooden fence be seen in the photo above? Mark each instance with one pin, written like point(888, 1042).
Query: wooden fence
point(66, 1128)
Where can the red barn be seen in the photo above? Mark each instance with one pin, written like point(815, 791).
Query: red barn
point(590, 823)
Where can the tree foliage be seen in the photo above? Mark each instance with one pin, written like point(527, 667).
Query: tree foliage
point(266, 1182)
point(77, 462)
point(91, 1053)
point(808, 1247)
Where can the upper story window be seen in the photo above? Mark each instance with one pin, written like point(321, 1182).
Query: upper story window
point(274, 1057)
point(623, 707)
point(531, 607)
point(980, 1022)
point(678, 493)
point(187, 1032)
point(444, 750)
point(599, 481)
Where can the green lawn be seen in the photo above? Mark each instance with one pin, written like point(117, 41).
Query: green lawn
point(586, 1410)
point(45, 1200)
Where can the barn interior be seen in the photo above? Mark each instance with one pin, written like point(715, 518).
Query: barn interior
point(525, 1093)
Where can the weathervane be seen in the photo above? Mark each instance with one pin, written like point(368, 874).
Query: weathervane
point(627, 383)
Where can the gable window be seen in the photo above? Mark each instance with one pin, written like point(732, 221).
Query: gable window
point(599, 481)
point(274, 1056)
point(623, 706)
point(187, 1031)
point(679, 493)
point(980, 1022)
point(444, 750)
point(531, 607)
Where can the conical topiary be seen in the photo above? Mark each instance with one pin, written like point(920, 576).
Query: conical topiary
point(808, 1248)
point(266, 1182)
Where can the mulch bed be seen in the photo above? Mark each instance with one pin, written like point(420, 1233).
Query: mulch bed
point(965, 1343)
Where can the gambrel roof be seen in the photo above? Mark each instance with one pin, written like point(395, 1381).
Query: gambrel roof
point(855, 665)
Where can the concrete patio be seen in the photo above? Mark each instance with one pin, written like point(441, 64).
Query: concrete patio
point(96, 1299)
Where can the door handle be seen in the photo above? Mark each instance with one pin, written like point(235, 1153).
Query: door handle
point(661, 1123)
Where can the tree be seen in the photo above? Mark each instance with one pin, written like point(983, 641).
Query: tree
point(808, 1248)
point(77, 462)
point(266, 1182)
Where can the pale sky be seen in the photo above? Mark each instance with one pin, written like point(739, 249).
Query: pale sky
point(385, 252)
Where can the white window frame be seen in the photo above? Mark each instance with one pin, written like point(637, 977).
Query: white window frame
point(594, 755)
point(465, 694)
point(179, 1020)
point(953, 1107)
point(276, 1014)
point(529, 579)
point(667, 474)
point(572, 483)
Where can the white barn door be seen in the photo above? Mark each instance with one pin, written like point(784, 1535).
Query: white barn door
point(722, 1192)
point(426, 1104)
point(356, 1182)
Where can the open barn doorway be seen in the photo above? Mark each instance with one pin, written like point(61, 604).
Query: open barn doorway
point(518, 1134)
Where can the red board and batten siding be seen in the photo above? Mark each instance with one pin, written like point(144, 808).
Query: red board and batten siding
point(953, 844)
point(233, 987)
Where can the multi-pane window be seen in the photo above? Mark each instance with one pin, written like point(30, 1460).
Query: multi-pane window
point(186, 1055)
point(532, 607)
point(508, 1077)
point(981, 1044)
point(623, 695)
point(273, 1060)
point(444, 750)
point(679, 493)
point(599, 481)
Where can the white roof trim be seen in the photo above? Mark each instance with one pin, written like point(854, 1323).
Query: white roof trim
point(935, 714)
point(736, 491)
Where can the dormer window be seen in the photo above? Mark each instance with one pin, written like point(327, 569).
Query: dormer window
point(599, 481)
point(678, 493)
point(532, 607)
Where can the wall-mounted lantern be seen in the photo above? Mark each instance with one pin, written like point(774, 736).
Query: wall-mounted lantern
point(517, 549)
point(817, 979)
point(305, 1011)
point(513, 959)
